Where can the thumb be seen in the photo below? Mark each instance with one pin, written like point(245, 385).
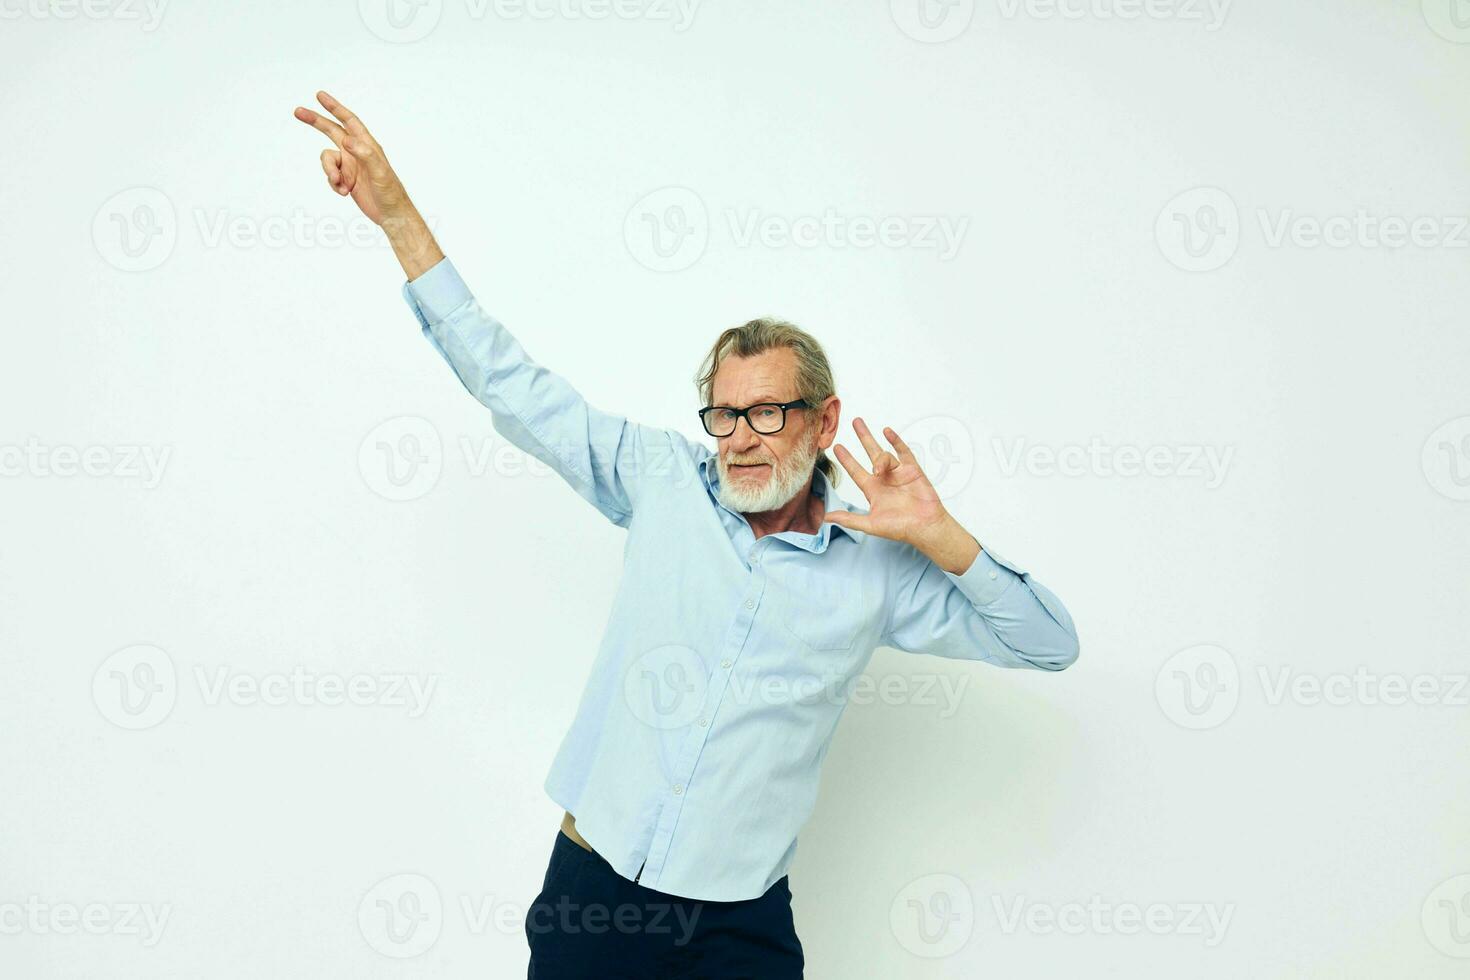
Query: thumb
point(846, 518)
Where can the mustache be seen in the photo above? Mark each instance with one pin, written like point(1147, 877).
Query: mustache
point(737, 460)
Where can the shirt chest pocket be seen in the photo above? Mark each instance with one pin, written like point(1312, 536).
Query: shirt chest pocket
point(822, 610)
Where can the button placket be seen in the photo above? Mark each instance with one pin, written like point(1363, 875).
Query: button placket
point(663, 834)
point(698, 735)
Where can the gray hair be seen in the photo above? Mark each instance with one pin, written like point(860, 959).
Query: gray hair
point(813, 373)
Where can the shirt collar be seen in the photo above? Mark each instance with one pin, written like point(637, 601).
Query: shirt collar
point(709, 470)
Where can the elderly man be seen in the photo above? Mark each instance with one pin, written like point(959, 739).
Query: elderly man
point(753, 597)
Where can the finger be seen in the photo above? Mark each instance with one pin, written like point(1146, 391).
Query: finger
point(322, 124)
point(883, 461)
point(854, 469)
point(896, 441)
point(332, 167)
point(866, 438)
point(344, 115)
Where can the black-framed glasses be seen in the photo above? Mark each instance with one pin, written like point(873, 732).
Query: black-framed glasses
point(767, 418)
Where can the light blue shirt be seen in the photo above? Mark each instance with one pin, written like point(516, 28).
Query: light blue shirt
point(726, 663)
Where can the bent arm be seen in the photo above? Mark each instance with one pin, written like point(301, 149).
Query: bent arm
point(992, 611)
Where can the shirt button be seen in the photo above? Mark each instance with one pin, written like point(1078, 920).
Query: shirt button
point(750, 603)
point(724, 663)
point(678, 789)
point(703, 722)
point(992, 575)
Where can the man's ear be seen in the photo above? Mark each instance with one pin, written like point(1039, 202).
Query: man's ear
point(831, 417)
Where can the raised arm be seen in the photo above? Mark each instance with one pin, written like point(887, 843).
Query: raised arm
point(607, 459)
point(604, 457)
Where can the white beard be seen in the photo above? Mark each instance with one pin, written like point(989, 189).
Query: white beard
point(787, 478)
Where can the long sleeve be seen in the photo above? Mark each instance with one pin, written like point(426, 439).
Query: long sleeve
point(993, 612)
point(603, 456)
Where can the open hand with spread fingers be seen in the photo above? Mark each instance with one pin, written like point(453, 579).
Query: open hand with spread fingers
point(902, 504)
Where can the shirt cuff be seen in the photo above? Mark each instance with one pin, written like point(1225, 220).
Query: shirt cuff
point(436, 293)
point(986, 579)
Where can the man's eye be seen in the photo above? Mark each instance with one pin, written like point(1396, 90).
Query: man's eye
point(724, 415)
point(765, 412)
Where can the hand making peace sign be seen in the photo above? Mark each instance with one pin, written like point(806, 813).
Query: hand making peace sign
point(358, 165)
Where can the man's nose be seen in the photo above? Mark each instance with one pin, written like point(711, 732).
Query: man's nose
point(744, 437)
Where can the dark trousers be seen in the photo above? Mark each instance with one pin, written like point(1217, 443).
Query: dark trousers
point(589, 921)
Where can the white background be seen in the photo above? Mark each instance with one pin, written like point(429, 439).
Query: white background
point(254, 356)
